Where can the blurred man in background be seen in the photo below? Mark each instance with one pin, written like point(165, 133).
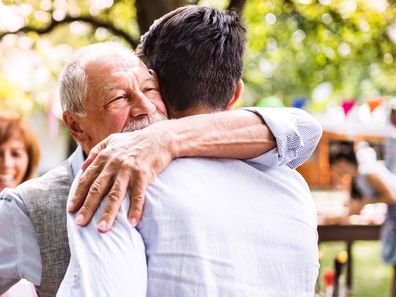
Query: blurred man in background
point(390, 140)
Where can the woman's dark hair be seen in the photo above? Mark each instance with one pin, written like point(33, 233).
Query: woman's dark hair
point(348, 157)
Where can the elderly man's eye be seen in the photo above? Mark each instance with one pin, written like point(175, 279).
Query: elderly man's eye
point(149, 89)
point(116, 99)
point(151, 92)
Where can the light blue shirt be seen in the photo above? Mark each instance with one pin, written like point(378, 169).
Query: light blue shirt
point(89, 247)
point(296, 133)
point(218, 227)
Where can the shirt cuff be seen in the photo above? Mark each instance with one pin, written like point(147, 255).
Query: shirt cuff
point(288, 139)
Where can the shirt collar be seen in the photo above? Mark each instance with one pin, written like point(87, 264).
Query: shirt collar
point(77, 159)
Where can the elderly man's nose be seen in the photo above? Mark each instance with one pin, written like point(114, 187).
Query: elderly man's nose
point(142, 106)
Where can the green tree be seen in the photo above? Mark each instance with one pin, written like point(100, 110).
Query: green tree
point(294, 45)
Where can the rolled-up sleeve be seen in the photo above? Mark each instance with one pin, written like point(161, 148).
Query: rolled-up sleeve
point(19, 250)
point(297, 134)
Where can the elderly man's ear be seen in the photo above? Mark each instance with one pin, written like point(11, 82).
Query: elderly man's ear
point(73, 123)
point(237, 94)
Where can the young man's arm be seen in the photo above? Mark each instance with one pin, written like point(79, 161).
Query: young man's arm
point(271, 137)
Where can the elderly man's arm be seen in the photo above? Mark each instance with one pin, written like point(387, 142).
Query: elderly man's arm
point(134, 159)
point(19, 250)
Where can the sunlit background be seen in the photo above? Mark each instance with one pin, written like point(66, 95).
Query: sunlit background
point(336, 59)
point(321, 51)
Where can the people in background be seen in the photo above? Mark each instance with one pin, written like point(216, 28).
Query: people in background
point(390, 140)
point(343, 170)
point(19, 158)
point(19, 151)
point(372, 182)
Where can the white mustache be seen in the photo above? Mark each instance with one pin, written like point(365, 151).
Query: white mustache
point(144, 122)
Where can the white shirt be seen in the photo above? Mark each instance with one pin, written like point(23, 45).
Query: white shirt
point(99, 259)
point(175, 245)
point(218, 227)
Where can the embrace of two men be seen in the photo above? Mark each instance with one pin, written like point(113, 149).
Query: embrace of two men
point(210, 226)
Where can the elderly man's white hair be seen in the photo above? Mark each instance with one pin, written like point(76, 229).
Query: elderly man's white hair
point(72, 83)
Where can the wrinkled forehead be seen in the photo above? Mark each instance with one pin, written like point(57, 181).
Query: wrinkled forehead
point(116, 60)
point(104, 69)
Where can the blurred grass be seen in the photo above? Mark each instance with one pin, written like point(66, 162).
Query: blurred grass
point(371, 276)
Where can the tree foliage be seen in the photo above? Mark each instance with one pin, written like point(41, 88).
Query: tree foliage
point(294, 45)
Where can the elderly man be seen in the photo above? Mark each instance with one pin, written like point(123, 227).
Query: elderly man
point(105, 92)
point(200, 238)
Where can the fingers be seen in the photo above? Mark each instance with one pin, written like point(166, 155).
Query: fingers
point(113, 203)
point(92, 168)
point(97, 191)
point(110, 166)
point(84, 185)
point(93, 186)
point(137, 199)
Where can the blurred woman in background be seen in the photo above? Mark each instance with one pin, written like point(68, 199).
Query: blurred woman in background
point(372, 182)
point(19, 151)
point(19, 158)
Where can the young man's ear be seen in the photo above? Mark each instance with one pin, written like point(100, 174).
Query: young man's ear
point(73, 125)
point(237, 94)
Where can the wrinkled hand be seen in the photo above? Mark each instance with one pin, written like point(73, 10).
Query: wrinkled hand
point(121, 161)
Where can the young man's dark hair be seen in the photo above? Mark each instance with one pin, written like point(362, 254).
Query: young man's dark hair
point(197, 54)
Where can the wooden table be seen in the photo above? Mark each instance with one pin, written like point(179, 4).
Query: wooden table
point(349, 234)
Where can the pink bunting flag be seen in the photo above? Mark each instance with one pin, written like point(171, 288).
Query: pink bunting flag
point(347, 105)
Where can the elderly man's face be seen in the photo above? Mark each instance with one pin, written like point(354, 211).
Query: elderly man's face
point(119, 92)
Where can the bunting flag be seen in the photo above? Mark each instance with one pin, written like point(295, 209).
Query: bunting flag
point(347, 105)
point(374, 103)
